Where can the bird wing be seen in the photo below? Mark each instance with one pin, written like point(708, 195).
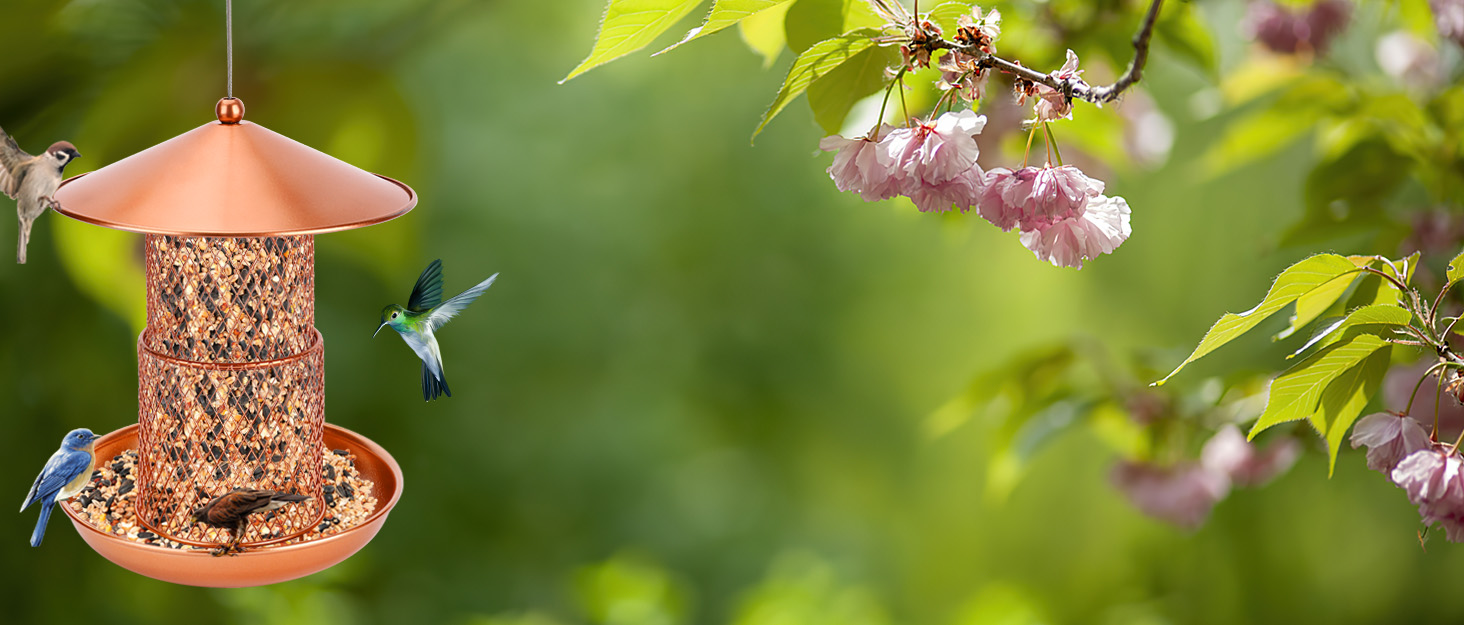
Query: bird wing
point(12, 162)
point(236, 504)
point(60, 469)
point(440, 315)
point(428, 290)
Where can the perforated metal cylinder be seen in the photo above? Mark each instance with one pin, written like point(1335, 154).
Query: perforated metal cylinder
point(231, 384)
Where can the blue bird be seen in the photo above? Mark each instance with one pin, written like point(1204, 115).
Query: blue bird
point(65, 474)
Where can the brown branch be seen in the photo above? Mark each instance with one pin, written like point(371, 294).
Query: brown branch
point(1073, 87)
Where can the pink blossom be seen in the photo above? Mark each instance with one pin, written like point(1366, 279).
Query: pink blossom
point(1289, 31)
point(1033, 197)
point(1100, 229)
point(1229, 453)
point(1051, 103)
point(1433, 483)
point(1449, 19)
point(1389, 438)
point(1409, 59)
point(934, 153)
point(1181, 495)
point(857, 167)
point(961, 192)
point(959, 71)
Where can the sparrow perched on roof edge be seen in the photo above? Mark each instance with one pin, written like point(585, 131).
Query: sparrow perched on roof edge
point(231, 511)
point(66, 473)
point(425, 313)
point(31, 180)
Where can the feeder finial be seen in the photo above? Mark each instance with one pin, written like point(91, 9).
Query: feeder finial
point(230, 110)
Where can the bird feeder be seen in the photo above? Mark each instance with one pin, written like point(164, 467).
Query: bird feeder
point(231, 370)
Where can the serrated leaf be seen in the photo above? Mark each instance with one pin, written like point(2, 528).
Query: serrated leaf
point(1183, 32)
point(725, 13)
point(630, 25)
point(1456, 268)
point(1315, 302)
point(1376, 314)
point(815, 62)
point(763, 32)
point(1296, 393)
point(812, 21)
point(1345, 399)
point(833, 94)
point(1296, 281)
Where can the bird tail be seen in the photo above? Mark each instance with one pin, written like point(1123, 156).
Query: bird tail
point(290, 497)
point(25, 229)
point(432, 386)
point(40, 531)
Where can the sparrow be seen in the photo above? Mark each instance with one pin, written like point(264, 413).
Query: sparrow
point(231, 511)
point(424, 314)
point(66, 473)
point(31, 180)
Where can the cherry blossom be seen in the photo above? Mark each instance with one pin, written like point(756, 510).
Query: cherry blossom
point(857, 168)
point(1228, 452)
point(932, 153)
point(1182, 494)
point(1053, 104)
point(1100, 229)
point(1433, 483)
point(1032, 197)
point(1389, 438)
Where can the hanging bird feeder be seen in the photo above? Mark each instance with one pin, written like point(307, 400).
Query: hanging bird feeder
point(231, 370)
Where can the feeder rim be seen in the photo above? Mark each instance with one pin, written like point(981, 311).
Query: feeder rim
point(407, 207)
point(381, 508)
point(317, 344)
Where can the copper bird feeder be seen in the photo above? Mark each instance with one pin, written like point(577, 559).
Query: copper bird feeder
point(231, 381)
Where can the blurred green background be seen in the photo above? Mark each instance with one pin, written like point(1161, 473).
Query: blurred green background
point(699, 391)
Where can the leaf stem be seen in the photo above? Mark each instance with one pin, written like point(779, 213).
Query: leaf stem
point(903, 107)
point(874, 133)
point(1051, 140)
point(1407, 410)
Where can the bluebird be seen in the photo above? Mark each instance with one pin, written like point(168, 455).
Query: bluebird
point(30, 181)
point(424, 314)
point(231, 511)
point(64, 475)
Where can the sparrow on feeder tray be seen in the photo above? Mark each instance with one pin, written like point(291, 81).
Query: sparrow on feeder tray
point(31, 180)
point(231, 511)
point(66, 473)
point(424, 314)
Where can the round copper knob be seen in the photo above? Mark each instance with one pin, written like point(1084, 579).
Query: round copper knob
point(230, 110)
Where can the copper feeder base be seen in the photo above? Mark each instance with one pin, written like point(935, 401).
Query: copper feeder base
point(252, 568)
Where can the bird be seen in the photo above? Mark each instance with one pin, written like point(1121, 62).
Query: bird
point(66, 473)
point(31, 180)
point(424, 314)
point(231, 511)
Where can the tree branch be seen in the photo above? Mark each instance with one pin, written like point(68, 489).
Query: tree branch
point(1074, 87)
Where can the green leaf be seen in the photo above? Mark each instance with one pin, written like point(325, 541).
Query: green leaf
point(726, 13)
point(1182, 31)
point(763, 33)
point(947, 13)
point(630, 25)
point(1345, 399)
point(1315, 302)
point(1346, 194)
point(1374, 315)
point(812, 21)
point(1296, 281)
point(1456, 268)
point(833, 94)
point(812, 64)
point(1296, 393)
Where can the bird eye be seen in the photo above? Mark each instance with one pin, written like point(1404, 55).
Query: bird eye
point(393, 315)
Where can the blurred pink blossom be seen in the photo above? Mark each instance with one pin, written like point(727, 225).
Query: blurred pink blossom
point(1449, 19)
point(1181, 495)
point(1390, 438)
point(1099, 229)
point(1409, 59)
point(1291, 30)
point(1229, 453)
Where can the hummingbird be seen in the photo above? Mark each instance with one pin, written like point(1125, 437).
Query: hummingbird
point(424, 314)
point(30, 181)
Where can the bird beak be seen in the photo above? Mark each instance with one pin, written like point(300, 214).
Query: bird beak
point(378, 329)
point(95, 437)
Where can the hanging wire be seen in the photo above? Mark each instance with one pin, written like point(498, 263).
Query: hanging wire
point(229, 41)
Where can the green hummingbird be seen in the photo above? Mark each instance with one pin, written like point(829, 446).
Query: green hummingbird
point(424, 314)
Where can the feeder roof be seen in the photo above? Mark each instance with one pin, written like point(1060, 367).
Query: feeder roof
point(232, 178)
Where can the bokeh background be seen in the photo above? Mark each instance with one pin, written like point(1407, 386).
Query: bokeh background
point(702, 389)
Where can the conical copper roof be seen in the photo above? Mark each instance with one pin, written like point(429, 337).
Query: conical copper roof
point(236, 179)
